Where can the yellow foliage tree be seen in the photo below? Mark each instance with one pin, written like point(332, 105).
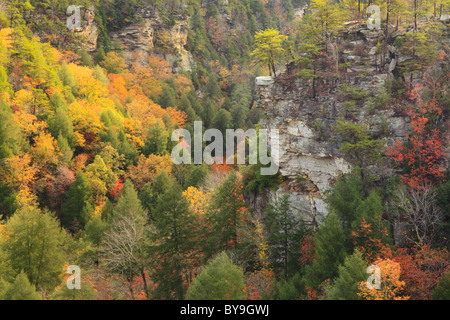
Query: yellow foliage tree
point(29, 124)
point(45, 150)
point(5, 44)
point(26, 199)
point(142, 109)
point(89, 88)
point(261, 244)
point(198, 200)
point(18, 172)
point(86, 123)
point(23, 99)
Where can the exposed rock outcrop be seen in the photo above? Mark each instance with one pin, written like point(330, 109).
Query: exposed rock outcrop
point(310, 156)
point(151, 35)
point(89, 30)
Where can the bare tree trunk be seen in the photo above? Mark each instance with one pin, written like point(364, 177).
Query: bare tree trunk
point(144, 280)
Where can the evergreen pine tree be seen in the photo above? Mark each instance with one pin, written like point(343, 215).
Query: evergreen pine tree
point(167, 98)
point(219, 280)
point(78, 205)
point(285, 232)
point(36, 245)
point(213, 90)
point(228, 215)
point(21, 289)
point(10, 139)
point(329, 254)
point(210, 111)
point(442, 290)
point(172, 243)
point(157, 140)
point(353, 271)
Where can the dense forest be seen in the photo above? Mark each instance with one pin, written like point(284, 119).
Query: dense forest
point(87, 178)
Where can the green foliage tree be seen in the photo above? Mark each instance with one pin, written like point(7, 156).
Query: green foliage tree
point(416, 44)
point(9, 133)
point(209, 114)
point(222, 121)
point(172, 242)
point(329, 254)
point(67, 77)
point(213, 91)
point(345, 199)
point(348, 201)
point(443, 201)
point(157, 140)
point(353, 271)
point(292, 289)
point(219, 280)
point(114, 63)
point(168, 97)
point(285, 231)
point(5, 86)
point(36, 244)
point(78, 204)
point(6, 270)
point(60, 124)
point(308, 61)
point(442, 290)
point(95, 230)
point(21, 289)
point(360, 148)
point(228, 215)
point(196, 176)
point(100, 177)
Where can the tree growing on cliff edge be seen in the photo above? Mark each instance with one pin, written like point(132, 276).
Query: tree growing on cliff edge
point(269, 49)
point(421, 156)
point(360, 148)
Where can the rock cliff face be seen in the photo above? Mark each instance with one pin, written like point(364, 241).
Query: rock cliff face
point(89, 30)
point(310, 159)
point(147, 37)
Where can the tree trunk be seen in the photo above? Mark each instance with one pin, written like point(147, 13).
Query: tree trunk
point(144, 280)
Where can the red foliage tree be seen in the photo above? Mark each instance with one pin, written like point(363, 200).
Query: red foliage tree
point(116, 187)
point(421, 269)
point(307, 249)
point(422, 153)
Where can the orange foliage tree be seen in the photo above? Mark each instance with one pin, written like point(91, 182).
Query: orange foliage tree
point(391, 286)
point(148, 168)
